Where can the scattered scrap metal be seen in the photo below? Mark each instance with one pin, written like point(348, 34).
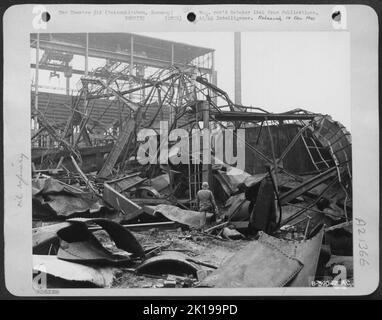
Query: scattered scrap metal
point(102, 219)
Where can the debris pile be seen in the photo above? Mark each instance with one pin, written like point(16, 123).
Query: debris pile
point(103, 217)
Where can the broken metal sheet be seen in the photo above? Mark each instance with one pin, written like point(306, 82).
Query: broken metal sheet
point(102, 277)
point(269, 262)
point(52, 197)
point(232, 234)
point(237, 208)
point(230, 178)
point(78, 243)
point(252, 186)
point(67, 205)
point(126, 183)
point(308, 252)
point(45, 236)
point(230, 181)
point(46, 185)
point(254, 179)
point(169, 263)
point(263, 216)
point(190, 218)
point(161, 183)
point(50, 185)
point(41, 211)
point(121, 236)
point(119, 202)
point(259, 264)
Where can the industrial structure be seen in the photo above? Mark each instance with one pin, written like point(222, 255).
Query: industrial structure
point(298, 164)
point(123, 57)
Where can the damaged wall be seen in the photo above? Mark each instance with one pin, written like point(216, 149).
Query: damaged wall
point(296, 161)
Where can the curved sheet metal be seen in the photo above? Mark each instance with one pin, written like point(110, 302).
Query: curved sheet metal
point(77, 243)
point(191, 218)
point(122, 237)
point(168, 263)
point(62, 199)
point(74, 272)
point(269, 262)
point(237, 208)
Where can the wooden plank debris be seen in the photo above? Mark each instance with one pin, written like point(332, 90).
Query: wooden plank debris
point(119, 202)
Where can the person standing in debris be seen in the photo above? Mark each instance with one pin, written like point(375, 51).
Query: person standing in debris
point(205, 201)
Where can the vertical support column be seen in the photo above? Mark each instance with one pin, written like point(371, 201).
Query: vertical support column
point(214, 74)
point(67, 77)
point(172, 110)
point(131, 66)
point(275, 169)
point(83, 130)
point(237, 57)
point(172, 53)
point(131, 54)
point(36, 79)
point(143, 95)
point(207, 166)
point(87, 55)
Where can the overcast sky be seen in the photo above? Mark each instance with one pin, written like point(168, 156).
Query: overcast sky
point(280, 70)
point(283, 70)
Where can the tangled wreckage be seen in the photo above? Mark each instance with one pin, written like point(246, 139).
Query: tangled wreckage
point(101, 218)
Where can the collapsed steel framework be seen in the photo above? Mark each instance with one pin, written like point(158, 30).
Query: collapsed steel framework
point(191, 99)
point(113, 104)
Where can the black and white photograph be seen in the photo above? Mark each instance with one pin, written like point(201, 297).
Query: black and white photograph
point(192, 160)
point(165, 164)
